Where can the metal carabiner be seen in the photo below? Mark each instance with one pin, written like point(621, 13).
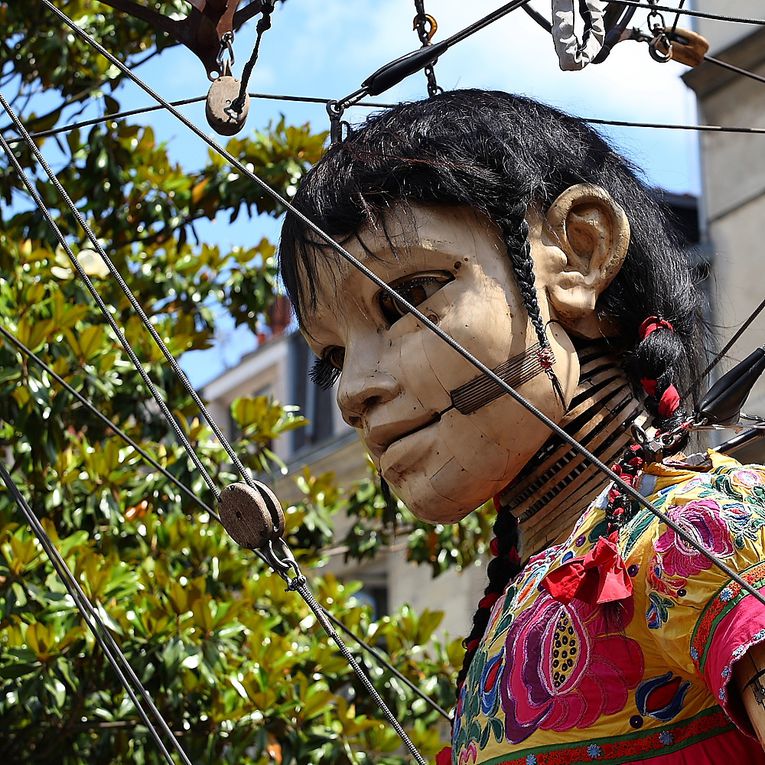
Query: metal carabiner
point(660, 47)
point(426, 33)
point(223, 61)
point(283, 562)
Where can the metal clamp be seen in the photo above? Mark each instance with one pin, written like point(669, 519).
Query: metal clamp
point(225, 58)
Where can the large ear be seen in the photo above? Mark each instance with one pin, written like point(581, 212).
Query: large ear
point(587, 236)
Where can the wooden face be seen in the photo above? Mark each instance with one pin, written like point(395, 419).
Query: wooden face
point(397, 375)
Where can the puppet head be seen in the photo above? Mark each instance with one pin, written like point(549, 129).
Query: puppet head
point(519, 231)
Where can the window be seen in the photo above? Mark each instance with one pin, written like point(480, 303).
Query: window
point(315, 404)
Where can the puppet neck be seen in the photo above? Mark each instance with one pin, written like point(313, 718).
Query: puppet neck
point(557, 484)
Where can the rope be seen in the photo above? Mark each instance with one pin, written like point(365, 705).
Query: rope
point(106, 421)
point(733, 68)
point(538, 18)
point(677, 19)
point(182, 487)
point(387, 289)
point(264, 24)
point(723, 353)
point(377, 655)
point(111, 650)
point(302, 589)
point(379, 105)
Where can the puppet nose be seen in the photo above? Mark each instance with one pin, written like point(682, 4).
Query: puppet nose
point(361, 391)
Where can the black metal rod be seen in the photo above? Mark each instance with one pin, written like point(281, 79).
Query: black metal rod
point(111, 650)
point(424, 320)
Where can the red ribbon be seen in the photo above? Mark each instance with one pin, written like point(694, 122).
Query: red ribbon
point(651, 324)
point(444, 757)
point(599, 577)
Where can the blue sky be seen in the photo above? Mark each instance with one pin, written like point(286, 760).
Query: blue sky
point(327, 47)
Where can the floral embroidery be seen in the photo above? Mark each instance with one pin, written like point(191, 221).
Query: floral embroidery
point(570, 667)
point(716, 609)
point(489, 686)
point(742, 484)
point(469, 755)
point(658, 610)
point(702, 520)
point(518, 707)
point(661, 697)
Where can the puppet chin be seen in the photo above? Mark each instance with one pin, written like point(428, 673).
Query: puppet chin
point(432, 482)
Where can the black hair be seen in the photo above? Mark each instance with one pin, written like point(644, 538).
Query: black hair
point(498, 154)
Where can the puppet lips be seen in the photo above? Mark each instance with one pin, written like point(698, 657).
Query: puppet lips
point(380, 437)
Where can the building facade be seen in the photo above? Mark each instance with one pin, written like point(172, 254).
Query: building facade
point(733, 180)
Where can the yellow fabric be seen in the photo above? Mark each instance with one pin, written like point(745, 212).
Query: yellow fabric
point(553, 683)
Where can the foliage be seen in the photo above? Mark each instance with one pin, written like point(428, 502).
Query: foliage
point(378, 525)
point(233, 661)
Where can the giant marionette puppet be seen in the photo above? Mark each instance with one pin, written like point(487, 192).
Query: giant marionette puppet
point(603, 635)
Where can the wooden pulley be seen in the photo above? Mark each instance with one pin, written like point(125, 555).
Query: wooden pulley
point(221, 114)
point(251, 516)
point(688, 47)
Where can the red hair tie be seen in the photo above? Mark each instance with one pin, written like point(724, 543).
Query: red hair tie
point(651, 324)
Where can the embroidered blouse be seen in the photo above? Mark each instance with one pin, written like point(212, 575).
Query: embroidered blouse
point(642, 680)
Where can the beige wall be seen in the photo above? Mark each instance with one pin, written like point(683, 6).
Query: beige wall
point(733, 177)
point(722, 34)
point(265, 369)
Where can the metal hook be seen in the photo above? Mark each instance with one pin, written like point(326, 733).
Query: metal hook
point(660, 47)
point(225, 59)
point(429, 31)
point(335, 110)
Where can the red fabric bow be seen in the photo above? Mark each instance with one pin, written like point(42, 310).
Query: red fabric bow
point(444, 757)
point(670, 399)
point(599, 577)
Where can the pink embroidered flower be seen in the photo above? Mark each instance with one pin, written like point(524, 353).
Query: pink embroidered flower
point(570, 665)
point(746, 479)
point(702, 521)
point(469, 755)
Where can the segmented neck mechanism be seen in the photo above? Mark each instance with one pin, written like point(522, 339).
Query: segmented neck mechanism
point(549, 494)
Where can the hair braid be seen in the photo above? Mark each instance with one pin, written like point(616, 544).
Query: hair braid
point(502, 569)
point(658, 360)
point(515, 229)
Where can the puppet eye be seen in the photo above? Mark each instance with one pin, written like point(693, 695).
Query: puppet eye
point(415, 290)
point(326, 370)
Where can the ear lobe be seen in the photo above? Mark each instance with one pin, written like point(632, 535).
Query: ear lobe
point(591, 234)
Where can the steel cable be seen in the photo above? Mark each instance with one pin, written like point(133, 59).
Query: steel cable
point(182, 487)
point(687, 12)
point(106, 421)
point(378, 105)
point(102, 306)
point(179, 373)
point(388, 290)
point(111, 650)
point(304, 591)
